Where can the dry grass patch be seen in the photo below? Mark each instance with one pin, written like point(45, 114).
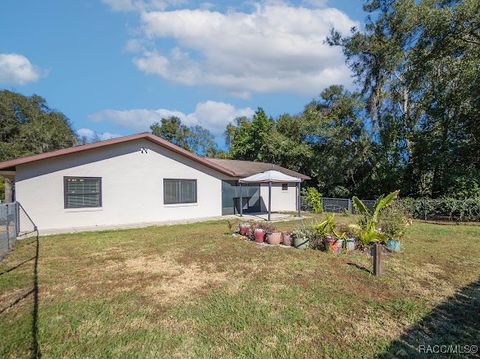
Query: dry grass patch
point(174, 281)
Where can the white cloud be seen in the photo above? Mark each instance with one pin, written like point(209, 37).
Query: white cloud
point(275, 48)
point(142, 5)
point(16, 69)
point(211, 115)
point(90, 134)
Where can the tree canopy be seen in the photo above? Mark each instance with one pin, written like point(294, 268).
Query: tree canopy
point(28, 126)
point(413, 124)
point(195, 138)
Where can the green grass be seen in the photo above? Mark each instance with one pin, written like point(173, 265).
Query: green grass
point(196, 291)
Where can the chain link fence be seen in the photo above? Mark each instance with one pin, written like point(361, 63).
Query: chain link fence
point(9, 226)
point(337, 205)
point(15, 223)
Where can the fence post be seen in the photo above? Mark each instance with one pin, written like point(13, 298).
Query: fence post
point(350, 208)
point(17, 219)
point(424, 209)
point(7, 226)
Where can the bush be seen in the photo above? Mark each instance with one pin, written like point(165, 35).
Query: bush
point(314, 200)
point(394, 220)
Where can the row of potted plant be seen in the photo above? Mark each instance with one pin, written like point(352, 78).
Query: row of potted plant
point(265, 233)
point(386, 223)
point(327, 235)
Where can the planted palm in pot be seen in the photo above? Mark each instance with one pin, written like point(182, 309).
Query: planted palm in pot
point(369, 231)
point(333, 239)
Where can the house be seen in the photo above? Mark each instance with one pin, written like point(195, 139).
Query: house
point(137, 179)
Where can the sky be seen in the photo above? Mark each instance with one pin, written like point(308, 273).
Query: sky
point(114, 67)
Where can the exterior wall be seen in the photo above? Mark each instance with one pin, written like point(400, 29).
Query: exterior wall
point(132, 187)
point(282, 201)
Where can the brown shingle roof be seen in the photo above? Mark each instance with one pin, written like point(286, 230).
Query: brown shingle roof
point(231, 168)
point(247, 168)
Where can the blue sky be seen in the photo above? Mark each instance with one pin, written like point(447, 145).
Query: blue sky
point(116, 66)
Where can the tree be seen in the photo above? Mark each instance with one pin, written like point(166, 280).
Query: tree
point(248, 139)
point(28, 126)
point(418, 65)
point(196, 138)
point(342, 160)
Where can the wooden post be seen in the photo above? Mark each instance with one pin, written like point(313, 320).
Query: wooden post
point(377, 259)
point(241, 200)
point(269, 200)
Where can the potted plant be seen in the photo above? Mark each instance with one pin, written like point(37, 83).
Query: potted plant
point(393, 222)
point(369, 231)
point(287, 239)
point(260, 231)
point(301, 237)
point(333, 239)
point(274, 237)
point(351, 234)
point(245, 228)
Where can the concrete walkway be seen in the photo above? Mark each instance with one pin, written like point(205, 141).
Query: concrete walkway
point(275, 217)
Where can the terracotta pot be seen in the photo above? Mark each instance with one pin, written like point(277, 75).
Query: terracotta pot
point(244, 229)
point(259, 235)
point(274, 238)
point(287, 239)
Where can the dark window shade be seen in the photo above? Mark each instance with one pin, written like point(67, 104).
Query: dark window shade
point(179, 191)
point(82, 192)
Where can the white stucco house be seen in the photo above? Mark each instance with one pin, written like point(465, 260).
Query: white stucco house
point(137, 179)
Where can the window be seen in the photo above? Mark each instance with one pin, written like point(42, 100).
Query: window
point(82, 192)
point(179, 191)
point(284, 186)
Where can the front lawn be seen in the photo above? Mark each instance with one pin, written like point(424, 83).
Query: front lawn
point(194, 291)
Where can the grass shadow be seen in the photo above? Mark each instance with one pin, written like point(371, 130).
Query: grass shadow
point(454, 322)
point(35, 347)
point(360, 267)
point(17, 266)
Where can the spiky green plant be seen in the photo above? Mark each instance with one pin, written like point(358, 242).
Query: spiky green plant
point(369, 233)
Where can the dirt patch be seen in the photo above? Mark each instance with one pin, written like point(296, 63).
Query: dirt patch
point(177, 281)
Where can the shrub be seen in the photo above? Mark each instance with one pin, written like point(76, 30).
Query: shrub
point(394, 220)
point(314, 200)
point(311, 232)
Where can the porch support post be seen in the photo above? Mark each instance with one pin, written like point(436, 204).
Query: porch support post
point(299, 204)
point(269, 200)
point(241, 200)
